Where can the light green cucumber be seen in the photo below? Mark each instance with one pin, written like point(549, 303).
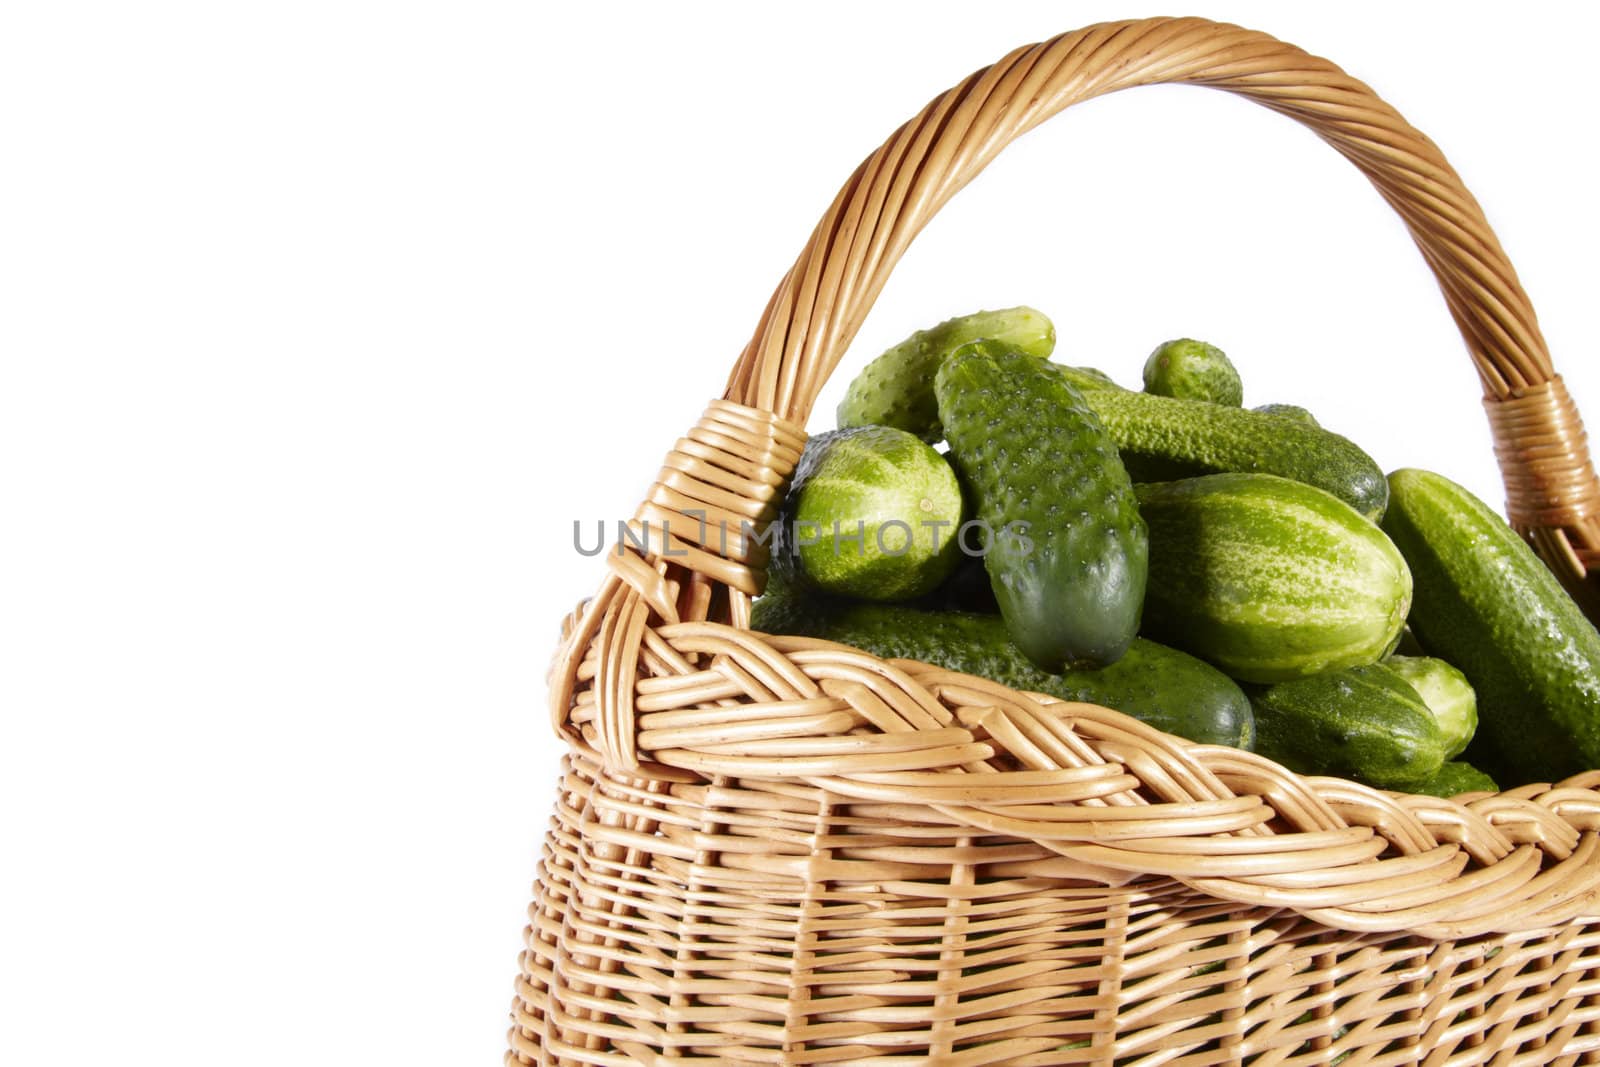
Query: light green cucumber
point(872, 512)
point(1067, 550)
point(1288, 411)
point(1171, 691)
point(1193, 370)
point(1162, 438)
point(1092, 378)
point(1270, 579)
point(1448, 695)
point(896, 389)
point(1487, 604)
point(1364, 723)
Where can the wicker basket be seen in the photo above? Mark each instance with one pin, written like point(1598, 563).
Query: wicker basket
point(770, 850)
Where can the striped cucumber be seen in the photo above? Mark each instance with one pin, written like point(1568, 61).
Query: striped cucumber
point(872, 512)
point(1448, 695)
point(1487, 604)
point(1270, 579)
point(1171, 691)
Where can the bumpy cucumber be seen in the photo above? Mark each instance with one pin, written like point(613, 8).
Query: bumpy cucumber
point(1448, 695)
point(1269, 579)
point(1193, 370)
point(1365, 723)
point(1453, 779)
point(1163, 437)
point(1487, 604)
point(1163, 687)
point(896, 389)
point(1067, 551)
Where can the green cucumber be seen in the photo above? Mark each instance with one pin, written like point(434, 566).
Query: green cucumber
point(1288, 411)
point(1093, 378)
point(1163, 437)
point(1448, 695)
point(1171, 691)
point(1193, 370)
point(896, 389)
point(871, 512)
point(1269, 579)
point(1365, 723)
point(1487, 604)
point(1453, 779)
point(1067, 550)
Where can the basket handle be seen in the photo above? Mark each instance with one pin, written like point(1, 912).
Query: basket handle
point(1552, 493)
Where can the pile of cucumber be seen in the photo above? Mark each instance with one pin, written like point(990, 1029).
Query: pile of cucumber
point(1233, 576)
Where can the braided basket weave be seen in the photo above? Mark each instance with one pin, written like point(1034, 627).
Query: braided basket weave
point(773, 850)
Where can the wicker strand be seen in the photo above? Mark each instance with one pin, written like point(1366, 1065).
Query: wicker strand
point(1544, 456)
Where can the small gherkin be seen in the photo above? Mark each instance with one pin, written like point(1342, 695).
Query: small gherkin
point(1068, 551)
point(1193, 370)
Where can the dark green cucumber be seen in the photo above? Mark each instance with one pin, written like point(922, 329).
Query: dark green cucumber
point(1163, 687)
point(1193, 370)
point(896, 389)
point(1453, 779)
point(1268, 578)
point(1163, 437)
point(1365, 723)
point(1487, 604)
point(1067, 550)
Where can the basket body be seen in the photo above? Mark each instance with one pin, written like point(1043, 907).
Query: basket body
point(773, 850)
point(769, 924)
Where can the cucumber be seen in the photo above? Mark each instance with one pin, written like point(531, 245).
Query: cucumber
point(1487, 604)
point(1448, 695)
point(896, 389)
point(1092, 378)
point(1288, 411)
point(872, 512)
point(1193, 370)
point(1364, 723)
point(1453, 779)
point(1067, 549)
point(1171, 691)
point(1162, 438)
point(1268, 578)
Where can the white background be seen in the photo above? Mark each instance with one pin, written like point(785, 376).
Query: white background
point(322, 322)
